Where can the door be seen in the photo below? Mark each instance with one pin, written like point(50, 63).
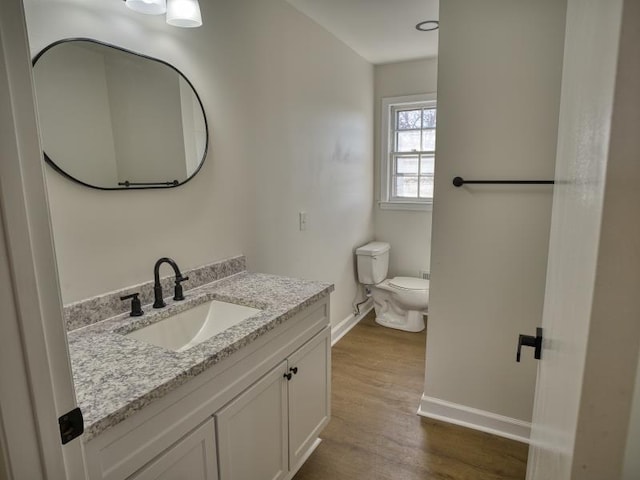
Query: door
point(192, 458)
point(591, 333)
point(36, 385)
point(309, 395)
point(252, 431)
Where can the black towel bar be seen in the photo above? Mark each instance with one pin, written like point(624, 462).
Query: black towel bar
point(459, 181)
point(127, 183)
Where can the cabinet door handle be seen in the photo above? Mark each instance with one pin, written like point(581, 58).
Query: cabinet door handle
point(287, 376)
point(294, 370)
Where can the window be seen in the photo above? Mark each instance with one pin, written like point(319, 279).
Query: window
point(408, 152)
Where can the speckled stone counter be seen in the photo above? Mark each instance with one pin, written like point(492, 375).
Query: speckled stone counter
point(116, 376)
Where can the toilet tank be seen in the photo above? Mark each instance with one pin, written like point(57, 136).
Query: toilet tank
point(373, 262)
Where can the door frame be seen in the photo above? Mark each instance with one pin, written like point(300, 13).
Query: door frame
point(36, 385)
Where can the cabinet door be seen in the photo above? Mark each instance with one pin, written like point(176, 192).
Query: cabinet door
point(309, 395)
point(193, 458)
point(252, 431)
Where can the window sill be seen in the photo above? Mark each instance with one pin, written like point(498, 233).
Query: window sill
point(407, 206)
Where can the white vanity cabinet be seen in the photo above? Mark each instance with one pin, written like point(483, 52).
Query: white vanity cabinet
point(252, 431)
point(270, 430)
point(255, 415)
point(309, 397)
point(193, 458)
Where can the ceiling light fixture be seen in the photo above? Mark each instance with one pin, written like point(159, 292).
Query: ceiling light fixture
point(184, 13)
point(180, 13)
point(148, 7)
point(428, 26)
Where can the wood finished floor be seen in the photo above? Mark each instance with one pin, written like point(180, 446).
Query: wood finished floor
point(375, 433)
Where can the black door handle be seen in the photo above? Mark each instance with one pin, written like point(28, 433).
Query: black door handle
point(530, 341)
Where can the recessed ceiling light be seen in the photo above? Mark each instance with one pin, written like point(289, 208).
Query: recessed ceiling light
point(428, 26)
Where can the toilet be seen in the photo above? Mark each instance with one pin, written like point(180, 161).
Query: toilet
point(399, 302)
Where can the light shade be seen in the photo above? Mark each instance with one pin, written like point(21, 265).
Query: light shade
point(149, 7)
point(184, 13)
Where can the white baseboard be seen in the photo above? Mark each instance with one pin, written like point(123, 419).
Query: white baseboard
point(474, 418)
point(341, 329)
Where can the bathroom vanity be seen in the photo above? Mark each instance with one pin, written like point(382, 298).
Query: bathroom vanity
point(247, 403)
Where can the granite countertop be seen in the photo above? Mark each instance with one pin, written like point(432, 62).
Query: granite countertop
point(116, 376)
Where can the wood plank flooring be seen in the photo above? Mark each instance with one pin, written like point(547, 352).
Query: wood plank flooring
point(375, 433)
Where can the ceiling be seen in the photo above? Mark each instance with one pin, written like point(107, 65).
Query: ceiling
point(381, 31)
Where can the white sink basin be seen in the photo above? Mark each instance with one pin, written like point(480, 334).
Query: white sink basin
point(196, 325)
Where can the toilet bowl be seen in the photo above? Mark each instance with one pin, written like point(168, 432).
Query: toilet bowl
point(399, 302)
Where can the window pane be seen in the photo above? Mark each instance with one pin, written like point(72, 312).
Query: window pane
point(428, 140)
point(426, 164)
point(407, 119)
point(406, 187)
point(426, 187)
point(407, 165)
point(429, 118)
point(407, 141)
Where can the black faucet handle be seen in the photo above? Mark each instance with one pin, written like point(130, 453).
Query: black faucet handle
point(136, 305)
point(178, 294)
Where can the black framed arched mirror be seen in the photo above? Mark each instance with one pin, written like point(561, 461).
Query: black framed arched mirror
point(113, 119)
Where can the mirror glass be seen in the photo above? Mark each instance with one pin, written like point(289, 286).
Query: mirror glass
point(113, 119)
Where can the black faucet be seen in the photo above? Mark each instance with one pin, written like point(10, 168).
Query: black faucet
point(157, 288)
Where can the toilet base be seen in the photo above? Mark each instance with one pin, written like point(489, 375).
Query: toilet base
point(412, 321)
point(390, 313)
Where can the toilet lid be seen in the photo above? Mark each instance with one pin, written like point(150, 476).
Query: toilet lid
point(409, 283)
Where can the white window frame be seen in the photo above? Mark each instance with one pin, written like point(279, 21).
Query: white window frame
point(388, 103)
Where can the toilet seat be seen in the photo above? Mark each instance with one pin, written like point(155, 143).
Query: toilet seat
point(409, 283)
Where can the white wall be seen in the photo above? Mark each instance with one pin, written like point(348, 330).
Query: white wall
point(317, 126)
point(408, 232)
point(499, 73)
point(290, 117)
